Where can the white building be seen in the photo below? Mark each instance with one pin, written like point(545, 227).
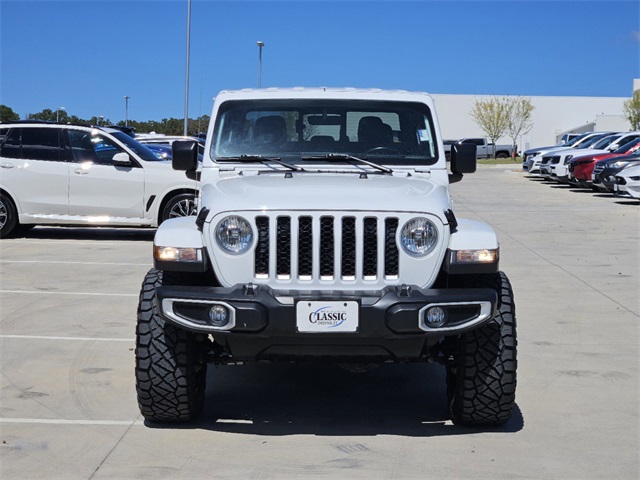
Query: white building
point(552, 117)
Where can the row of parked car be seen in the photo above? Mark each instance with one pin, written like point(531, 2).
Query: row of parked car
point(603, 161)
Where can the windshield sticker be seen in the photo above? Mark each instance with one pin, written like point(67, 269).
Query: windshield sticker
point(423, 135)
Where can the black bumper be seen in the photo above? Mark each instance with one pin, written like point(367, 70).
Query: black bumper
point(265, 327)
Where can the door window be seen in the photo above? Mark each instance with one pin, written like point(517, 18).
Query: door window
point(92, 147)
point(41, 144)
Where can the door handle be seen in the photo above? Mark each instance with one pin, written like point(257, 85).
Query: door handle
point(81, 171)
point(6, 165)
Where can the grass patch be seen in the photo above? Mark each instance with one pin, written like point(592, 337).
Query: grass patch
point(499, 161)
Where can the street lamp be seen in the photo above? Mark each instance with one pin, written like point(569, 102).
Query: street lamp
point(126, 110)
point(58, 114)
point(260, 45)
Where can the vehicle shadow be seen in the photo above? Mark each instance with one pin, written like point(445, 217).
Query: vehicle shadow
point(88, 233)
point(407, 400)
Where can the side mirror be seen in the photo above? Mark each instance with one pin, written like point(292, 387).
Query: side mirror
point(185, 155)
point(463, 160)
point(121, 159)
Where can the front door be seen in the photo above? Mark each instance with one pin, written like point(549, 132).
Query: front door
point(99, 189)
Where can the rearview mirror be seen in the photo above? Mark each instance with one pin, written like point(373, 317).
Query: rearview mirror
point(185, 155)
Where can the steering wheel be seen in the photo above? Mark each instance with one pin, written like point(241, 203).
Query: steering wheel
point(382, 149)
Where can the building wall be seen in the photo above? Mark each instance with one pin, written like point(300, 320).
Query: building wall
point(552, 116)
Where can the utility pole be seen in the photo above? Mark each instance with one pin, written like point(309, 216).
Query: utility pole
point(186, 86)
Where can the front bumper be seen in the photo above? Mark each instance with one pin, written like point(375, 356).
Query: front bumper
point(391, 323)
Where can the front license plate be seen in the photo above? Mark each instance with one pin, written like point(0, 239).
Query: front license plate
point(327, 317)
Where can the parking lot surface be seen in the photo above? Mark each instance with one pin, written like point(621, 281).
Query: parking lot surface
point(68, 406)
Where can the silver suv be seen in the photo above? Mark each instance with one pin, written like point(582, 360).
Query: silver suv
point(55, 174)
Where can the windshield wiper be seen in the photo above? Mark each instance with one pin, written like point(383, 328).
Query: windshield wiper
point(349, 158)
point(260, 159)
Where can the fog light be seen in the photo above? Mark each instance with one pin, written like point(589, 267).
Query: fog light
point(219, 315)
point(435, 317)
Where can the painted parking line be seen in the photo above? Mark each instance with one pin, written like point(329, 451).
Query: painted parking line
point(55, 292)
point(56, 262)
point(63, 421)
point(83, 339)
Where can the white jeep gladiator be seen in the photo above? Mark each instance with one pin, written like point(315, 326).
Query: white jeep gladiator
point(325, 232)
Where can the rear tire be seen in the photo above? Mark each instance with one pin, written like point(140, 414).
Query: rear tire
point(171, 363)
point(8, 216)
point(481, 379)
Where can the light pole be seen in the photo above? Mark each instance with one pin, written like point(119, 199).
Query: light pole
point(186, 82)
point(260, 45)
point(126, 110)
point(58, 114)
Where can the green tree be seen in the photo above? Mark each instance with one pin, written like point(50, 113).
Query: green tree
point(492, 116)
point(49, 115)
point(520, 122)
point(8, 115)
point(631, 109)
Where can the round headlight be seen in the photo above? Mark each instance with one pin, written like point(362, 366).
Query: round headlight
point(234, 234)
point(419, 236)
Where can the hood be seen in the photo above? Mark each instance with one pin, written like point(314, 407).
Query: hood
point(326, 192)
point(587, 154)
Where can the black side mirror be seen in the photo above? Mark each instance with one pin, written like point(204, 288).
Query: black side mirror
point(185, 155)
point(463, 160)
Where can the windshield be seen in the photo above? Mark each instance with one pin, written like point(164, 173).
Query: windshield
point(143, 152)
point(382, 132)
point(632, 145)
point(591, 141)
point(606, 141)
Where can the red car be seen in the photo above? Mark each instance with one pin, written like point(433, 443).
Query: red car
point(581, 168)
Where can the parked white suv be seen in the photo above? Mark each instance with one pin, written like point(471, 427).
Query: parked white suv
point(54, 174)
point(326, 233)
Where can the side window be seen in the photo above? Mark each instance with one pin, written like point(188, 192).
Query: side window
point(92, 147)
point(41, 144)
point(11, 146)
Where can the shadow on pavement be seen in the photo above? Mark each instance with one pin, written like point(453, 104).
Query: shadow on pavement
point(87, 233)
point(407, 400)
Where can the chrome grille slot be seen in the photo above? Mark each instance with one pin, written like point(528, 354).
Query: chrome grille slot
point(370, 245)
point(348, 248)
point(283, 248)
point(305, 248)
point(262, 248)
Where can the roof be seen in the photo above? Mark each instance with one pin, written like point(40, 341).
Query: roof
point(326, 92)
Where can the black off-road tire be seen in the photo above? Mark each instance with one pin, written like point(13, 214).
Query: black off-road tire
point(8, 216)
point(182, 205)
point(171, 365)
point(481, 379)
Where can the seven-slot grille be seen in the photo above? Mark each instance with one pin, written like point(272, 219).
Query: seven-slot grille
point(326, 247)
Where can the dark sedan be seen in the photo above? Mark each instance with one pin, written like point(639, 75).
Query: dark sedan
point(605, 171)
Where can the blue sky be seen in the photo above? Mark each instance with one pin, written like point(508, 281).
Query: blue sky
point(87, 55)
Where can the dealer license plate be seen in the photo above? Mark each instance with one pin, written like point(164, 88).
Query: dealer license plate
point(327, 317)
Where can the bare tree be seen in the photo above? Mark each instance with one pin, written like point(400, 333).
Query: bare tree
point(631, 109)
point(492, 116)
point(520, 122)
